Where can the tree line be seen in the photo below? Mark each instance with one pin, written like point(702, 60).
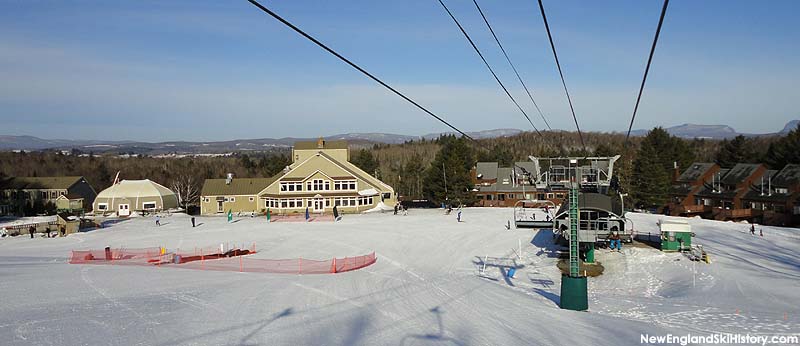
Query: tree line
point(437, 169)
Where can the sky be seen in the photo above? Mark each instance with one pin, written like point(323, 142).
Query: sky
point(219, 70)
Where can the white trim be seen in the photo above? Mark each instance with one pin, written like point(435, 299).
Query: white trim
point(155, 205)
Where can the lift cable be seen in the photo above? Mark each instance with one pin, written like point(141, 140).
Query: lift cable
point(488, 66)
point(353, 65)
point(647, 68)
point(555, 55)
point(530, 95)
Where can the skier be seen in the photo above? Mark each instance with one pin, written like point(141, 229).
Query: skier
point(615, 241)
point(31, 230)
point(193, 222)
point(158, 220)
point(753, 229)
point(459, 215)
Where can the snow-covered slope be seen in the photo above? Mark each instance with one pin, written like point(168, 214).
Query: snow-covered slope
point(425, 288)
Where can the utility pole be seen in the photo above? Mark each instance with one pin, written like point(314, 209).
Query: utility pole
point(444, 174)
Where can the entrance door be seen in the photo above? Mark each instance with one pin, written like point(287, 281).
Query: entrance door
point(219, 206)
point(124, 210)
point(319, 205)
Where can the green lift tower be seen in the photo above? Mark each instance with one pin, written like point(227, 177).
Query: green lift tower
point(573, 286)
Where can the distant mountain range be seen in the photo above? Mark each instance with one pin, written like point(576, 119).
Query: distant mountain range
point(184, 147)
point(715, 131)
point(8, 142)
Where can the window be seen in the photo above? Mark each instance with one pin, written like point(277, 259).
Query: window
point(480, 196)
point(782, 190)
point(207, 200)
point(149, 205)
point(233, 199)
point(252, 199)
point(344, 185)
point(102, 206)
point(490, 197)
point(501, 197)
point(291, 186)
point(510, 196)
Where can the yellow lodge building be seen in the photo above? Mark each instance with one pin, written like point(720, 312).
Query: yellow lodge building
point(319, 178)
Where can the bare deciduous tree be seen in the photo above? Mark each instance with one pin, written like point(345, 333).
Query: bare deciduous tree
point(185, 186)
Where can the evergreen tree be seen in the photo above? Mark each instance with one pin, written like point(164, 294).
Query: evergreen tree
point(738, 150)
point(364, 160)
point(784, 151)
point(454, 160)
point(653, 167)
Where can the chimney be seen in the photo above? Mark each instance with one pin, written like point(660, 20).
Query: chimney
point(320, 143)
point(229, 179)
point(675, 171)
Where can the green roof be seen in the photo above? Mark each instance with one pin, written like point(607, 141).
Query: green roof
point(238, 186)
point(310, 145)
point(20, 183)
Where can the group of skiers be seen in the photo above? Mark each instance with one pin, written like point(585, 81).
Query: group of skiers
point(61, 230)
point(753, 230)
point(399, 207)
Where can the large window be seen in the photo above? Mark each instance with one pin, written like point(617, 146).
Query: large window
point(283, 203)
point(149, 205)
point(291, 186)
point(344, 185)
point(102, 206)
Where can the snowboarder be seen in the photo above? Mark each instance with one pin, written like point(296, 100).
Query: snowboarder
point(31, 230)
point(158, 220)
point(336, 216)
point(459, 215)
point(193, 222)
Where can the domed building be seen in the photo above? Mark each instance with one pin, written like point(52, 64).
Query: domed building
point(129, 196)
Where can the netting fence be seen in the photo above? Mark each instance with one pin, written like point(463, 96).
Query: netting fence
point(219, 259)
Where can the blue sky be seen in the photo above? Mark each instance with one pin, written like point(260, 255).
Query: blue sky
point(216, 70)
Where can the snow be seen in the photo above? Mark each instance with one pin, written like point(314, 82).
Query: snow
point(425, 288)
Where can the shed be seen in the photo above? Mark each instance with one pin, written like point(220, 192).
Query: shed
point(676, 235)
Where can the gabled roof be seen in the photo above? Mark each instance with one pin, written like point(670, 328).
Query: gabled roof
point(238, 186)
point(311, 145)
point(739, 173)
point(487, 170)
point(788, 176)
point(344, 165)
point(56, 183)
point(695, 171)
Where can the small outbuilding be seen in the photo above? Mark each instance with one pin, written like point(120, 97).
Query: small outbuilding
point(129, 196)
point(676, 235)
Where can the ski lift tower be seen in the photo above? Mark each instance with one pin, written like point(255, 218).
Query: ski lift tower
point(574, 295)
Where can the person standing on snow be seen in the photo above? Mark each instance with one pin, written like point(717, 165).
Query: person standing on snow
point(753, 229)
point(158, 220)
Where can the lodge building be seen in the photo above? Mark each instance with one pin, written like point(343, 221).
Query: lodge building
point(319, 178)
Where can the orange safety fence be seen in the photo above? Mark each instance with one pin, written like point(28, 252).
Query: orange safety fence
point(212, 258)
